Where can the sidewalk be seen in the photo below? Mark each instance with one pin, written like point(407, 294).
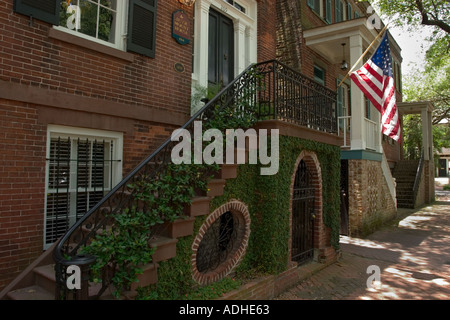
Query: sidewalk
point(413, 257)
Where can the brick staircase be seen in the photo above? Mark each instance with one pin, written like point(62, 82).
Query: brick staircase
point(38, 282)
point(405, 174)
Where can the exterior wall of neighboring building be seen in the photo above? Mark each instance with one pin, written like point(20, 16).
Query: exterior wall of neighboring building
point(371, 198)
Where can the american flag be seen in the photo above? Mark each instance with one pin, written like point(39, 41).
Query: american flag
point(376, 80)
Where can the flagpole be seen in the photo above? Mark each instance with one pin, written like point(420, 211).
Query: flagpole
point(363, 55)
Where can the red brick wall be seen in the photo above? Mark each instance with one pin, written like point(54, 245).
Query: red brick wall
point(30, 57)
point(267, 24)
point(45, 80)
point(22, 182)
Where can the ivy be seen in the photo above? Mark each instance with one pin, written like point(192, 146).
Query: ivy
point(268, 200)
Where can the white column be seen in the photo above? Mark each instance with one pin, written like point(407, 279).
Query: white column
point(425, 132)
point(358, 139)
point(251, 44)
point(201, 42)
point(239, 47)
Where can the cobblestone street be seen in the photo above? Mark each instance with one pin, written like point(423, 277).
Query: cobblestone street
point(413, 257)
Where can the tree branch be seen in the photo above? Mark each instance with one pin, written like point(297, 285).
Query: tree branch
point(431, 22)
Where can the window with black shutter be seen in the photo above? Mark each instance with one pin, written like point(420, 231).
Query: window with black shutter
point(45, 10)
point(142, 27)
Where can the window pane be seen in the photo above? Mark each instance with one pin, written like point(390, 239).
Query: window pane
point(105, 24)
point(93, 18)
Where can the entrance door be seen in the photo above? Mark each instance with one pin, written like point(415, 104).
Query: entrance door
point(303, 216)
point(220, 49)
point(442, 172)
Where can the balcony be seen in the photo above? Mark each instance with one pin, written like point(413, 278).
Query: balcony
point(295, 104)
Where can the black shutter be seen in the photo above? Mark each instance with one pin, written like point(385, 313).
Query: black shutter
point(45, 10)
point(142, 27)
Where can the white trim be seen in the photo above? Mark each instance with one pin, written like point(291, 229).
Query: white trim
point(120, 36)
point(245, 37)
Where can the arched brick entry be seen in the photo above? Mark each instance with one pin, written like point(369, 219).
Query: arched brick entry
point(223, 237)
point(318, 232)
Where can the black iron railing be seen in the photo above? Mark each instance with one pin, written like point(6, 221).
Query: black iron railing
point(268, 90)
point(290, 96)
point(418, 176)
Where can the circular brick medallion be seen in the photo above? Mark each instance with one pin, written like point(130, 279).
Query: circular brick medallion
point(221, 242)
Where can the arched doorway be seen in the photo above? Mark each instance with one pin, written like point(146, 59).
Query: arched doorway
point(303, 215)
point(306, 208)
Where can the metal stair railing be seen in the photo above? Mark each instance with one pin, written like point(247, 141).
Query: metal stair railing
point(418, 177)
point(267, 90)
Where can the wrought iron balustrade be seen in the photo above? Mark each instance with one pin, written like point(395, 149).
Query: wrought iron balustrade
point(288, 95)
point(267, 90)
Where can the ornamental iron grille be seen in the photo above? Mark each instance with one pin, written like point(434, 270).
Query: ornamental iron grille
point(218, 243)
point(303, 216)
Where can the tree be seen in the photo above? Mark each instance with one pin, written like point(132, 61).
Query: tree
point(432, 83)
point(415, 12)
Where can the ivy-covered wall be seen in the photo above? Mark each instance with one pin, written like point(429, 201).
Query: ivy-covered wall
point(268, 200)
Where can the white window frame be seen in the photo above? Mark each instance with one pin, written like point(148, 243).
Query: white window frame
point(54, 131)
point(245, 38)
point(120, 27)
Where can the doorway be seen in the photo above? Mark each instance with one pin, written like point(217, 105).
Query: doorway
point(303, 214)
point(220, 49)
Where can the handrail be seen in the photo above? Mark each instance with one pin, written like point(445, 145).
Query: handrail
point(245, 94)
point(418, 175)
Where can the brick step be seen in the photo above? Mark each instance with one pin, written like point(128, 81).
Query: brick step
point(33, 292)
point(166, 248)
point(198, 207)
point(215, 187)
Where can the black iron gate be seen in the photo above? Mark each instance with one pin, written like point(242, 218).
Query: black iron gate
point(344, 198)
point(303, 216)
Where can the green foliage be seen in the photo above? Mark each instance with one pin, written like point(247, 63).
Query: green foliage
point(411, 12)
point(88, 23)
point(214, 290)
point(447, 187)
point(124, 247)
point(268, 199)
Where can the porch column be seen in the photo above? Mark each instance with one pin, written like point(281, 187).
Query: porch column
point(201, 26)
point(239, 47)
point(358, 132)
point(426, 133)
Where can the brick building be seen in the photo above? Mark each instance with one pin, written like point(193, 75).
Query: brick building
point(333, 35)
point(89, 90)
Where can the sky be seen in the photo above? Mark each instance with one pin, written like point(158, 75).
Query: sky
point(413, 45)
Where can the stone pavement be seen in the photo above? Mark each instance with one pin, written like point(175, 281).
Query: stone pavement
point(413, 256)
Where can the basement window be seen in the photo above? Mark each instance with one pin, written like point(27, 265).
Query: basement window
point(221, 242)
point(81, 169)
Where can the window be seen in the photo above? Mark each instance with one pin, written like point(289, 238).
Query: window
point(398, 76)
point(103, 21)
point(349, 11)
point(315, 5)
point(319, 75)
point(236, 5)
point(81, 169)
point(338, 11)
point(98, 19)
point(328, 11)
